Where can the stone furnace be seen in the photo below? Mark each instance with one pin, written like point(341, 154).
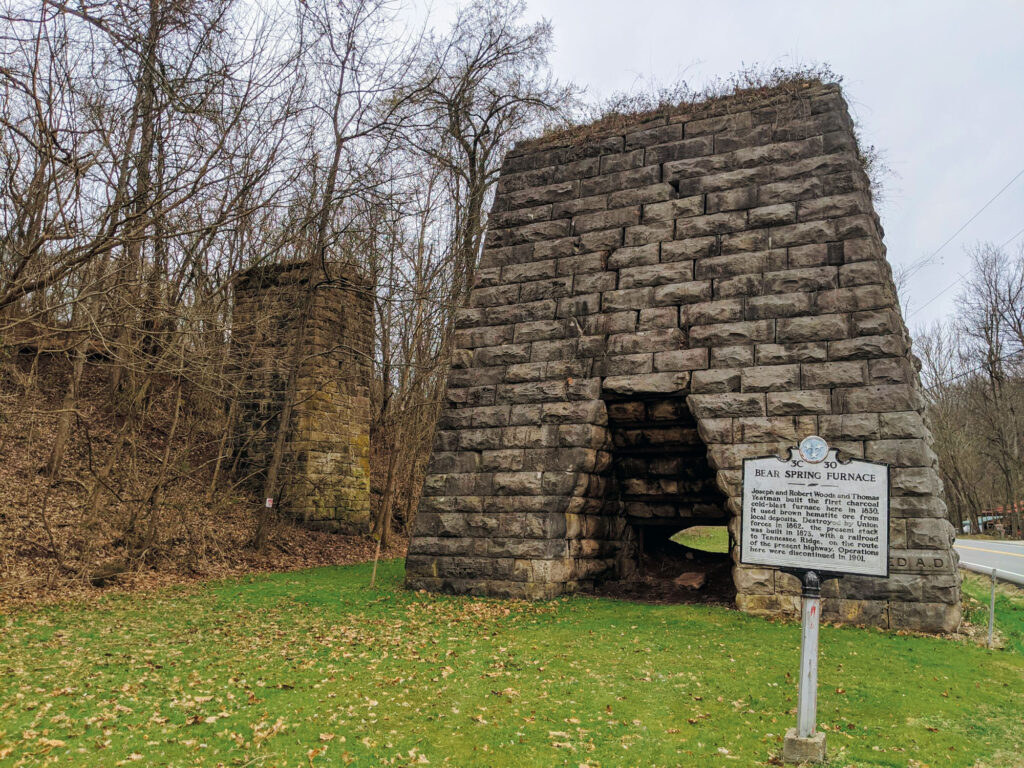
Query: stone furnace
point(657, 300)
point(325, 479)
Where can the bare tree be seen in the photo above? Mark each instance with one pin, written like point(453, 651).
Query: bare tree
point(151, 152)
point(480, 87)
point(489, 85)
point(973, 369)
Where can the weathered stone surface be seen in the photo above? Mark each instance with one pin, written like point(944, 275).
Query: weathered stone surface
point(878, 399)
point(741, 285)
point(901, 453)
point(771, 215)
point(624, 365)
point(834, 374)
point(817, 328)
point(797, 750)
point(659, 274)
point(787, 191)
point(681, 360)
point(926, 617)
point(780, 305)
point(734, 264)
point(613, 182)
point(858, 611)
point(766, 429)
point(326, 470)
point(724, 334)
point(754, 581)
point(658, 317)
point(681, 293)
point(743, 199)
point(771, 378)
point(705, 312)
point(674, 209)
point(739, 356)
point(875, 323)
point(915, 481)
point(656, 135)
point(734, 405)
point(798, 402)
point(645, 341)
point(774, 604)
point(901, 424)
point(849, 426)
point(630, 298)
point(775, 354)
point(890, 371)
point(929, 533)
point(656, 302)
point(803, 280)
point(866, 347)
point(634, 256)
point(715, 380)
point(691, 248)
point(643, 234)
point(654, 383)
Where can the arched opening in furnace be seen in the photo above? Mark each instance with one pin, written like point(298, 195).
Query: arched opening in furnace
point(676, 545)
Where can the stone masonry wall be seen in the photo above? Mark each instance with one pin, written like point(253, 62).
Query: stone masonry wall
point(727, 257)
point(326, 474)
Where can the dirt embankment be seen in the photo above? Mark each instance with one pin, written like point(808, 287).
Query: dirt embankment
point(123, 512)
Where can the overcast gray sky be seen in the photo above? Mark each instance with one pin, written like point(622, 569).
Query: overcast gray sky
point(937, 86)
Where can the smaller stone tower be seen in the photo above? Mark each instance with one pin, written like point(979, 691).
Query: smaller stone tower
point(326, 472)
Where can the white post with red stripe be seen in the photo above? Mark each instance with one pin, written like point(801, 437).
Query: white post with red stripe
point(807, 701)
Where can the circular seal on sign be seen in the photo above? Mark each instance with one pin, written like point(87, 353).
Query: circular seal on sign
point(813, 449)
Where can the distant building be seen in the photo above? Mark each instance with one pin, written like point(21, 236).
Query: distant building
point(995, 520)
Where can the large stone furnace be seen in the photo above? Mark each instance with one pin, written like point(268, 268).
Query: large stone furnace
point(656, 301)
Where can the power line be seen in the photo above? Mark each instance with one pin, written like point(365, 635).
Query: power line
point(922, 263)
point(960, 277)
point(1014, 237)
point(955, 283)
point(969, 371)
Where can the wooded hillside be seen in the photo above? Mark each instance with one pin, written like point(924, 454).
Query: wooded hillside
point(150, 153)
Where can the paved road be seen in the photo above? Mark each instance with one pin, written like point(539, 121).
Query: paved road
point(1007, 556)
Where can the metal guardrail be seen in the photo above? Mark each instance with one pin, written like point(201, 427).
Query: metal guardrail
point(1013, 578)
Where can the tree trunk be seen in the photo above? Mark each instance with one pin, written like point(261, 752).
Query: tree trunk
point(382, 525)
point(70, 402)
point(972, 513)
point(67, 413)
point(140, 214)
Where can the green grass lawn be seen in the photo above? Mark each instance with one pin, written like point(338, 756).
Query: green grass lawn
point(709, 538)
point(314, 668)
point(1009, 608)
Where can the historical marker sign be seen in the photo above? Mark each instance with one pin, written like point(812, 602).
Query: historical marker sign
point(812, 512)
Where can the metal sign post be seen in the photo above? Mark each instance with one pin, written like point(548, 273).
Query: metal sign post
point(807, 695)
point(992, 609)
point(804, 744)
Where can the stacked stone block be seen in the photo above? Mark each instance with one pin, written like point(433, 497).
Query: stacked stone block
point(660, 480)
point(725, 256)
point(325, 481)
point(660, 465)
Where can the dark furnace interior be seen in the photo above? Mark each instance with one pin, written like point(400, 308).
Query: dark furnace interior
point(662, 484)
